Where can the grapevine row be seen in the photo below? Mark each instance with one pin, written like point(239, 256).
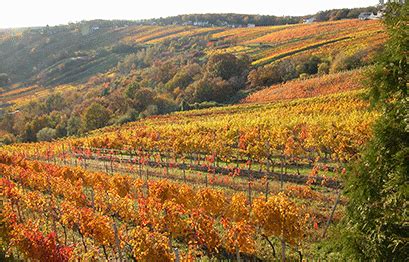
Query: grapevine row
point(332, 127)
point(89, 203)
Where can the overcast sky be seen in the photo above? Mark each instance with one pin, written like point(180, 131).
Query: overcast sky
point(22, 13)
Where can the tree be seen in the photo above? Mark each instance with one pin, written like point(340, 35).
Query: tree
point(54, 102)
point(184, 77)
point(272, 74)
point(30, 130)
point(323, 68)
point(210, 89)
point(310, 66)
point(184, 106)
point(165, 104)
point(6, 122)
point(143, 97)
point(227, 66)
point(46, 134)
point(4, 79)
point(131, 89)
point(375, 227)
point(129, 116)
point(73, 125)
point(343, 62)
point(6, 138)
point(95, 116)
point(150, 111)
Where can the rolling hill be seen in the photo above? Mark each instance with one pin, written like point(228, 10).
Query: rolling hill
point(162, 141)
point(69, 54)
point(136, 70)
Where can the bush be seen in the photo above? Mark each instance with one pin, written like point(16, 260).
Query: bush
point(95, 116)
point(304, 76)
point(73, 125)
point(46, 134)
point(272, 74)
point(323, 68)
point(150, 111)
point(4, 79)
point(7, 138)
point(375, 227)
point(344, 62)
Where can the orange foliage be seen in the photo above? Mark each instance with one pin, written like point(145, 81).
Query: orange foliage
point(317, 86)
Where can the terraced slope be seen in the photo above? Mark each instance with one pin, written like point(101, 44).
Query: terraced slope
point(316, 86)
point(67, 55)
point(333, 126)
point(270, 44)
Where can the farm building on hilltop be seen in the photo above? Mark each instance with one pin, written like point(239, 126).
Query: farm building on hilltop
point(366, 16)
point(370, 16)
point(309, 20)
point(382, 2)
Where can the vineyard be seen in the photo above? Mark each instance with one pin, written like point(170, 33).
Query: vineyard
point(331, 127)
point(263, 45)
point(207, 137)
point(260, 180)
point(157, 34)
point(239, 182)
point(269, 44)
point(100, 215)
point(23, 96)
point(316, 86)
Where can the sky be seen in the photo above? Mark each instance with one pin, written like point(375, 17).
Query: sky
point(25, 13)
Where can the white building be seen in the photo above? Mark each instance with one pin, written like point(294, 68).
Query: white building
point(309, 20)
point(382, 2)
point(370, 16)
point(201, 23)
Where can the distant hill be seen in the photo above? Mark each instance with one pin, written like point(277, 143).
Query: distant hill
point(61, 54)
point(239, 20)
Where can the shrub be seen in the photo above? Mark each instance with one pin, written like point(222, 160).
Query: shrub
point(46, 134)
point(4, 79)
point(323, 68)
point(344, 62)
point(95, 116)
point(376, 224)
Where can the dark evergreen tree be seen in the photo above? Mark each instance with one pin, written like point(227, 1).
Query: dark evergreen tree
point(376, 225)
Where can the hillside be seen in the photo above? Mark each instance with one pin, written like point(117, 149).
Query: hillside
point(331, 128)
point(303, 88)
point(73, 53)
point(267, 45)
point(243, 154)
point(54, 75)
point(247, 129)
point(195, 138)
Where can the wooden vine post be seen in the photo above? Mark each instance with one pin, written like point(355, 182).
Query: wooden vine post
point(332, 213)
